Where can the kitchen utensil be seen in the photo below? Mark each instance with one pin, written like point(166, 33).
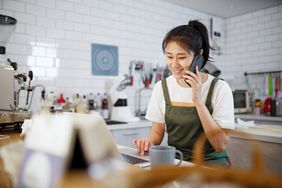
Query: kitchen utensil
point(279, 107)
point(270, 85)
point(262, 85)
point(273, 107)
point(146, 74)
point(159, 73)
point(267, 105)
point(279, 81)
point(276, 84)
point(131, 70)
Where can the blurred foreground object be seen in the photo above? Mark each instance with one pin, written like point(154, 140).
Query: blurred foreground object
point(203, 175)
point(57, 142)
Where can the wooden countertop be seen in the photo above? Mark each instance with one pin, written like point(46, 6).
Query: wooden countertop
point(13, 136)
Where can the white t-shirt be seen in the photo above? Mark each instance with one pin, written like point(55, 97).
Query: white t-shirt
point(222, 100)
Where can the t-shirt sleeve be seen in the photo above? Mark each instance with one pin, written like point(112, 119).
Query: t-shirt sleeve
point(223, 106)
point(155, 111)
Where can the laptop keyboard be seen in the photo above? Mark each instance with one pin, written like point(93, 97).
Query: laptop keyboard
point(132, 160)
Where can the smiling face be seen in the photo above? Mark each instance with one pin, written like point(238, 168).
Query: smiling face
point(178, 59)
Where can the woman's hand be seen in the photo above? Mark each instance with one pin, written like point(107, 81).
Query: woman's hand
point(142, 145)
point(195, 82)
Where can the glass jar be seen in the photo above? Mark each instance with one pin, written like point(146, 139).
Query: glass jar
point(257, 109)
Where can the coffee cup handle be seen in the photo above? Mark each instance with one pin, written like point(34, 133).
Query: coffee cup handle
point(181, 157)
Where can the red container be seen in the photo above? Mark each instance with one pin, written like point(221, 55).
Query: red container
point(267, 105)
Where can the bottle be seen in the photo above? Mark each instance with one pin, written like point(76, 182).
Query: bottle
point(273, 107)
point(67, 107)
point(75, 101)
point(61, 102)
point(84, 102)
point(61, 99)
point(99, 102)
point(83, 105)
point(90, 101)
point(257, 107)
point(49, 102)
point(105, 107)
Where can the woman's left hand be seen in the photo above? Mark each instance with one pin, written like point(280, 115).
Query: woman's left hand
point(195, 82)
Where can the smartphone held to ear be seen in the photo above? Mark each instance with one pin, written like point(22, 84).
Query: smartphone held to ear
point(197, 61)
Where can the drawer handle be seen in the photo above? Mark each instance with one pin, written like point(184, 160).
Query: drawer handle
point(129, 134)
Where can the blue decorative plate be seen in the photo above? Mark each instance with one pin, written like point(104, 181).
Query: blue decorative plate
point(104, 60)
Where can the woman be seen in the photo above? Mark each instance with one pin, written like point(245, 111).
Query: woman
point(187, 104)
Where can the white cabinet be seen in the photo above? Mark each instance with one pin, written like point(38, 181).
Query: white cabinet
point(126, 133)
point(268, 139)
point(240, 153)
point(125, 136)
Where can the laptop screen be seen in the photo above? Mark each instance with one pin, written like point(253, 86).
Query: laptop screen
point(98, 143)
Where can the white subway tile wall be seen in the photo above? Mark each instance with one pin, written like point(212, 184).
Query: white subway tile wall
point(253, 44)
point(53, 38)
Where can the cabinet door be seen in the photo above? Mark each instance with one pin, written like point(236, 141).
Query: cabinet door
point(240, 154)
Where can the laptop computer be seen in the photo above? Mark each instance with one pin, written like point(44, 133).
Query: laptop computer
point(99, 143)
point(131, 156)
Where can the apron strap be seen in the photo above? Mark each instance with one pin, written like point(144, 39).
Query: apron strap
point(209, 97)
point(165, 92)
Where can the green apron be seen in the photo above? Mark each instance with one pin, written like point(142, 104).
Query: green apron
point(184, 128)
